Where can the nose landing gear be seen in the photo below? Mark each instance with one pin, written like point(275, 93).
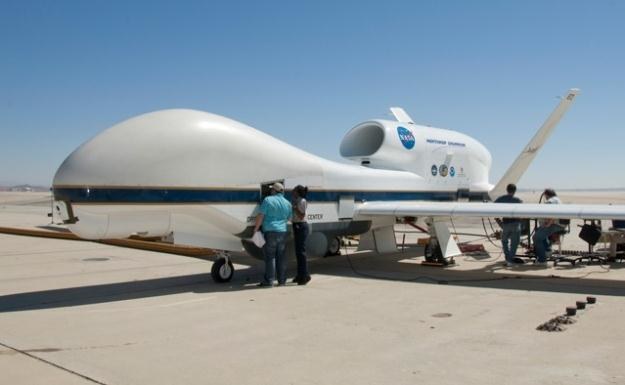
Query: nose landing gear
point(222, 270)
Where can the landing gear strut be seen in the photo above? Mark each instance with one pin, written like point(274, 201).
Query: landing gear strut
point(433, 253)
point(222, 270)
point(442, 247)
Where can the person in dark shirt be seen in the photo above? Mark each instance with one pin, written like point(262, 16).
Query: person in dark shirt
point(300, 232)
point(510, 227)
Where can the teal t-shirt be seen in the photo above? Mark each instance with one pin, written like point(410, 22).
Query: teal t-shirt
point(277, 211)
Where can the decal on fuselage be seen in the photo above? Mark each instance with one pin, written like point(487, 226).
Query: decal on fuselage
point(445, 142)
point(406, 137)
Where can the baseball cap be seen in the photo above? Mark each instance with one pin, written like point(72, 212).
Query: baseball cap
point(278, 187)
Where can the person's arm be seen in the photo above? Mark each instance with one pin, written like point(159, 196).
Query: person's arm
point(298, 214)
point(259, 221)
point(498, 220)
point(290, 218)
point(260, 216)
point(549, 222)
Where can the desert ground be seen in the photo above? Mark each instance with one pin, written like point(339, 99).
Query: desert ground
point(78, 312)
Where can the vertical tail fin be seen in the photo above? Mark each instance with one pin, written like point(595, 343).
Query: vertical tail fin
point(525, 158)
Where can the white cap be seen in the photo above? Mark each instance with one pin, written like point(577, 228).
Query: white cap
point(277, 187)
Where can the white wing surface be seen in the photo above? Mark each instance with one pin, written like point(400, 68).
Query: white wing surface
point(525, 158)
point(479, 209)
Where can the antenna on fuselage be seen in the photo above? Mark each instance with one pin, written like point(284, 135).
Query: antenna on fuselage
point(401, 115)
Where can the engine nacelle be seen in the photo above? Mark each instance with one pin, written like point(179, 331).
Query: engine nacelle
point(444, 156)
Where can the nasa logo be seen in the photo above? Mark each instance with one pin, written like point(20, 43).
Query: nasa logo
point(406, 137)
point(434, 170)
point(443, 170)
point(452, 171)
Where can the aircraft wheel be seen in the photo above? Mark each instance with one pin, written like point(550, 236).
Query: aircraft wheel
point(428, 253)
point(222, 270)
point(434, 254)
point(317, 245)
point(334, 246)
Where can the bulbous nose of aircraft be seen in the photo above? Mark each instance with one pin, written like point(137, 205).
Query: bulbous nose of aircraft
point(182, 148)
point(154, 148)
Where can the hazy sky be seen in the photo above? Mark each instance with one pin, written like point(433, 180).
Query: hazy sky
point(306, 72)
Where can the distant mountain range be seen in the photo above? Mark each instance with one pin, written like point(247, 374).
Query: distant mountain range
point(574, 189)
point(24, 188)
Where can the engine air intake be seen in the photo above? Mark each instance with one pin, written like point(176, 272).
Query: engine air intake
point(363, 140)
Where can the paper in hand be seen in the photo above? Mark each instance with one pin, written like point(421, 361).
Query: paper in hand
point(258, 239)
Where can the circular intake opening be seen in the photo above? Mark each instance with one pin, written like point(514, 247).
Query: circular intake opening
point(363, 140)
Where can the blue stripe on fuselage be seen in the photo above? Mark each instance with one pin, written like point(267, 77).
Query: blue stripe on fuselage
point(163, 195)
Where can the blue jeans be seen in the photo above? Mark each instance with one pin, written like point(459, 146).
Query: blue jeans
point(300, 232)
point(542, 245)
point(274, 251)
point(510, 238)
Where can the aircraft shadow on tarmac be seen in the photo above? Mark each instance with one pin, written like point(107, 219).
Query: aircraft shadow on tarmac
point(360, 265)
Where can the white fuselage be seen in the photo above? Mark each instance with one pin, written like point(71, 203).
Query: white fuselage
point(199, 175)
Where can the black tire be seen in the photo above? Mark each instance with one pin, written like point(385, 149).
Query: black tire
point(334, 246)
point(222, 271)
point(428, 254)
point(434, 255)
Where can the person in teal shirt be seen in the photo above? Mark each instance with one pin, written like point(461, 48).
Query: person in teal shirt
point(274, 213)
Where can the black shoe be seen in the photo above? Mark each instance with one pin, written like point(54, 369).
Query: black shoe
point(296, 279)
point(265, 284)
point(304, 280)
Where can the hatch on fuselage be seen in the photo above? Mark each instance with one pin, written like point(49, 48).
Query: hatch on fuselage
point(265, 188)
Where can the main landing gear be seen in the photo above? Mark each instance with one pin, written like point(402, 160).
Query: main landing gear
point(334, 246)
point(222, 270)
point(434, 255)
point(442, 247)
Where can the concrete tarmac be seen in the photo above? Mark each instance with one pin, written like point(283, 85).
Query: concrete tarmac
point(76, 312)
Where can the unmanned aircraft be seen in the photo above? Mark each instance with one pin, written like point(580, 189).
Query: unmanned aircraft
point(198, 178)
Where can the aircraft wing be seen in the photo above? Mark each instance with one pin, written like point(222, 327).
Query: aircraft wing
point(489, 209)
point(525, 158)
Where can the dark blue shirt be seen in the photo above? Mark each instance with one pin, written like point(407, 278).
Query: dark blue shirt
point(509, 199)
